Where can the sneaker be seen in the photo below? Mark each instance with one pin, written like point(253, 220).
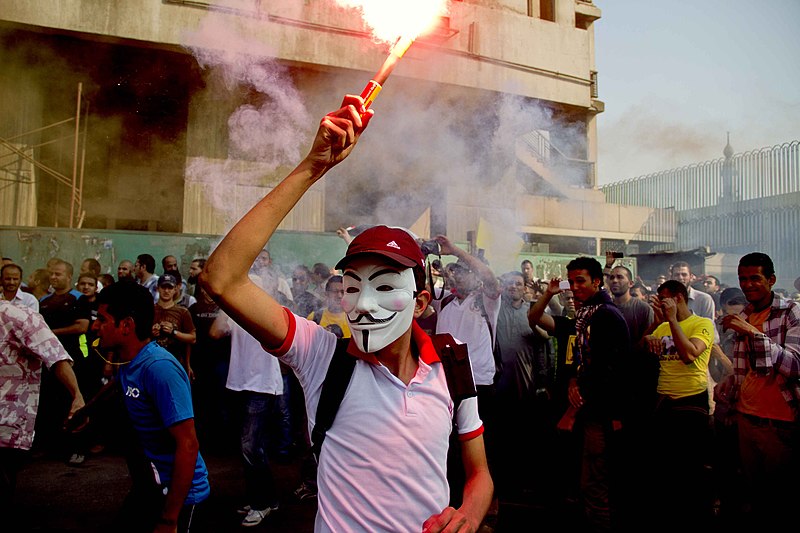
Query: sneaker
point(97, 449)
point(254, 516)
point(305, 492)
point(243, 510)
point(76, 459)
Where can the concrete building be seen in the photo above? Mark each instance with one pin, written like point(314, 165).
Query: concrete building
point(176, 115)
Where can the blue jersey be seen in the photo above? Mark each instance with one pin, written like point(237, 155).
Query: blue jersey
point(158, 395)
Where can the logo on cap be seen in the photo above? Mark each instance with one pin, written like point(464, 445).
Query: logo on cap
point(396, 244)
point(167, 279)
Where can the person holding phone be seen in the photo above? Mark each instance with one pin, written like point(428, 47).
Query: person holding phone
point(596, 359)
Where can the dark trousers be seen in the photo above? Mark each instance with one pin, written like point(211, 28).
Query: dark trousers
point(679, 450)
point(11, 462)
point(258, 425)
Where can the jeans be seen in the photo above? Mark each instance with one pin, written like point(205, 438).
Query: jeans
point(284, 444)
point(595, 476)
point(259, 411)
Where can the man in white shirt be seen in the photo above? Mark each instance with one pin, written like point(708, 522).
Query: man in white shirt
point(11, 276)
point(255, 377)
point(699, 303)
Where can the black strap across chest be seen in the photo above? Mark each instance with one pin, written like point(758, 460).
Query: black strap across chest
point(455, 363)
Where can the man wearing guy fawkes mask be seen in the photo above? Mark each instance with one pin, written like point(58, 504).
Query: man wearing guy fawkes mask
point(378, 297)
point(397, 405)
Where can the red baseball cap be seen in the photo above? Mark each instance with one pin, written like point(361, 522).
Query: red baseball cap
point(395, 244)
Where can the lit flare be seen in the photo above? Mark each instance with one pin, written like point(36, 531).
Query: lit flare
point(394, 21)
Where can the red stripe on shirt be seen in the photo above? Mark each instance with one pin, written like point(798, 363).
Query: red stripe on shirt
point(287, 342)
point(471, 435)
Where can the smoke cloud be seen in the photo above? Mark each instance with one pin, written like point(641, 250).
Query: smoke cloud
point(425, 142)
point(643, 138)
point(272, 130)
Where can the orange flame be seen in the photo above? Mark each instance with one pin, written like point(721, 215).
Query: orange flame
point(392, 19)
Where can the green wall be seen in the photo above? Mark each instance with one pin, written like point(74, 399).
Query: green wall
point(32, 247)
point(547, 266)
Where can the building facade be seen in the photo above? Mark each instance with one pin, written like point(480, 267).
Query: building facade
point(177, 115)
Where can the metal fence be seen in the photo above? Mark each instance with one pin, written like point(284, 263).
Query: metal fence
point(742, 203)
point(771, 171)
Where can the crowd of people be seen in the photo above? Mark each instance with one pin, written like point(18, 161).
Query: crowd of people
point(414, 398)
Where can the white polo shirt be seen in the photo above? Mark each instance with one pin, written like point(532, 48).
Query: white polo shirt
point(383, 466)
point(251, 368)
point(465, 321)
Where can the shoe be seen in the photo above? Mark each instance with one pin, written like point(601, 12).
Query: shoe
point(254, 516)
point(76, 459)
point(243, 510)
point(304, 492)
point(97, 449)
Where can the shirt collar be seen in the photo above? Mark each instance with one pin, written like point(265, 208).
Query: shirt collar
point(16, 296)
point(420, 339)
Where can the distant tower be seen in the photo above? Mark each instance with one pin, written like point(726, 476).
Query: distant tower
point(730, 192)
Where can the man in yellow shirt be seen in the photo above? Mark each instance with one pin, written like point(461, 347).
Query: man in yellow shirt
point(332, 316)
point(680, 428)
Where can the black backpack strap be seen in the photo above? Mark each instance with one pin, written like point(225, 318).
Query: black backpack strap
point(457, 369)
point(446, 300)
point(334, 387)
point(317, 314)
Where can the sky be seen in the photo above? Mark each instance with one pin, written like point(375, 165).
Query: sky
point(677, 76)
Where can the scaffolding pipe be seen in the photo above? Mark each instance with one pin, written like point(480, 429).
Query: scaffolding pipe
point(60, 177)
point(31, 132)
point(75, 158)
point(81, 211)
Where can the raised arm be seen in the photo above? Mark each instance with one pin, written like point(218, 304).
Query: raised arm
point(536, 313)
point(225, 276)
point(491, 285)
point(79, 327)
point(688, 349)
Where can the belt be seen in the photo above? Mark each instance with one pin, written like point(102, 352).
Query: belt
point(769, 422)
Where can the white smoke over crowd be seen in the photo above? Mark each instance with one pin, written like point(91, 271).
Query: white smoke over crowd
point(423, 140)
point(275, 129)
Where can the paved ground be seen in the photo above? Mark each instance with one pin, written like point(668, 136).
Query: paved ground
point(52, 497)
point(56, 498)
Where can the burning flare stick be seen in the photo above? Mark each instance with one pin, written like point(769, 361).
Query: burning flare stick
point(375, 85)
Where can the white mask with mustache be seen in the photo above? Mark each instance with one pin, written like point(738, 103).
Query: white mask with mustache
point(379, 302)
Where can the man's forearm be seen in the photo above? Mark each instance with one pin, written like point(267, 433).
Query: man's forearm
point(231, 260)
point(537, 315)
point(186, 451)
point(225, 276)
point(686, 350)
point(185, 337)
point(484, 273)
point(477, 497)
point(64, 373)
point(77, 328)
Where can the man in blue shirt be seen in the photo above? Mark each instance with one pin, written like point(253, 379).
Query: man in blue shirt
point(158, 399)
